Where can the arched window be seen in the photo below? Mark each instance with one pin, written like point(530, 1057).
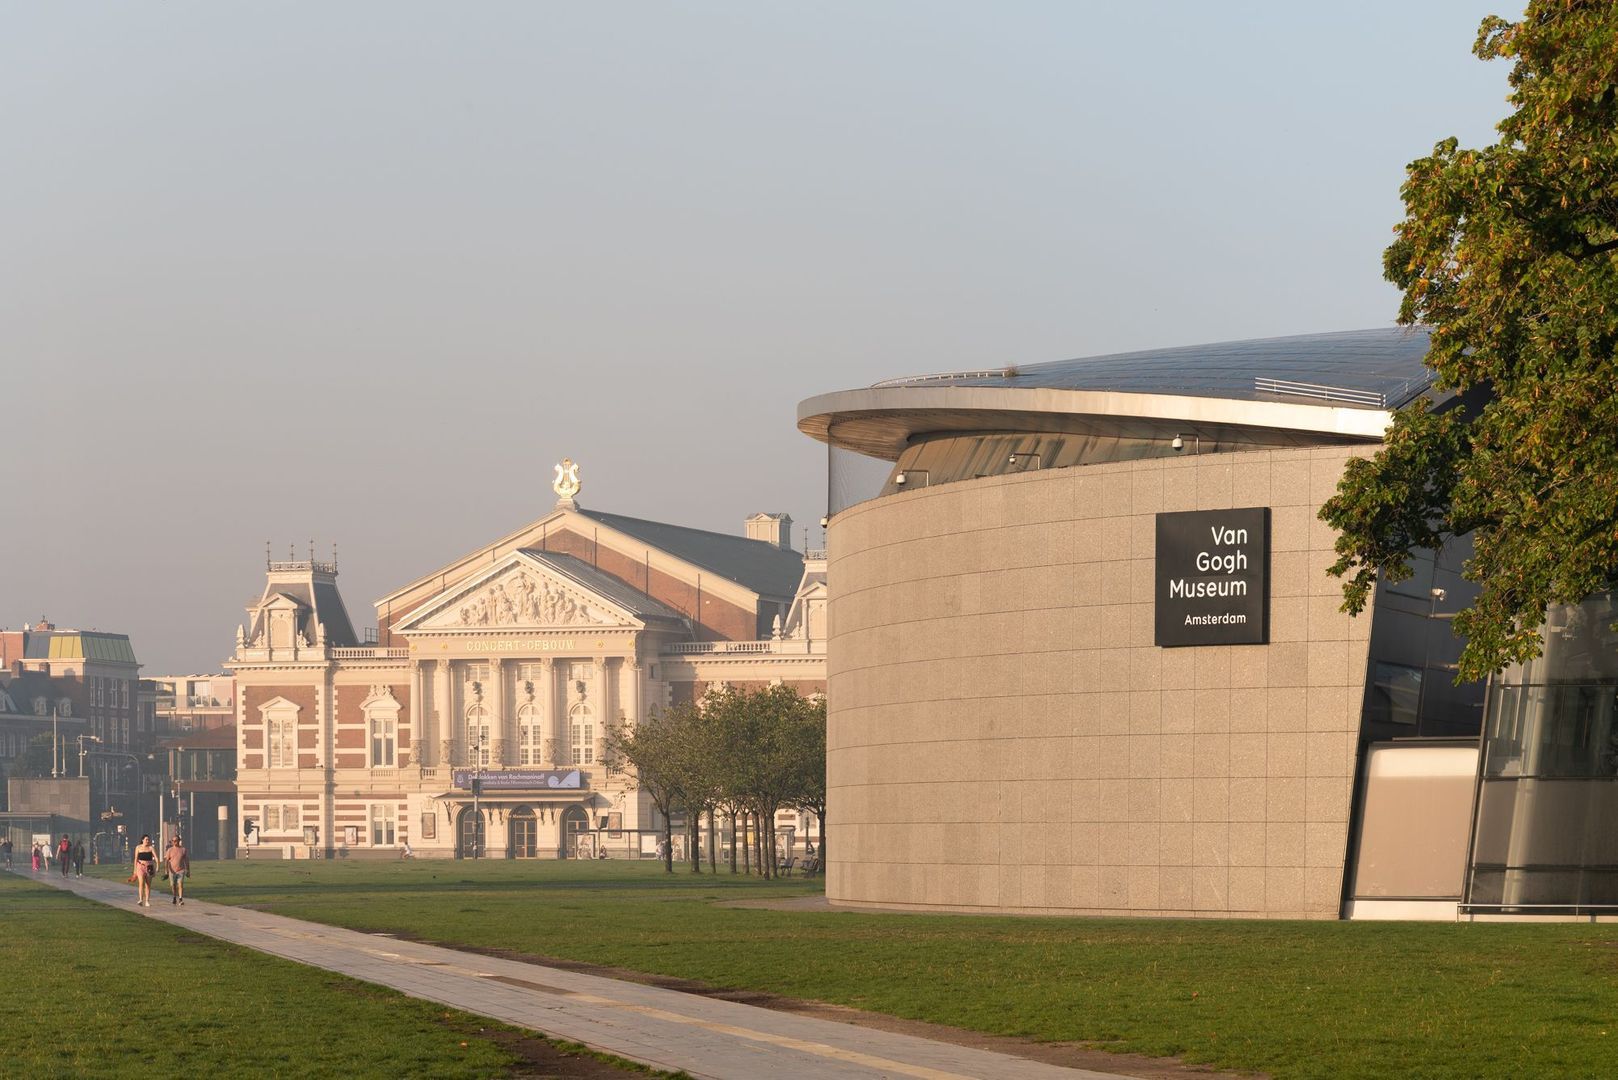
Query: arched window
point(529, 734)
point(478, 747)
point(582, 722)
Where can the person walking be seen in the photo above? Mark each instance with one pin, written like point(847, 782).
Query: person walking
point(6, 847)
point(145, 867)
point(178, 863)
point(78, 859)
point(64, 855)
point(36, 856)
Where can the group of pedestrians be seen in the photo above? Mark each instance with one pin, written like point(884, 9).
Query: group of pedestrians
point(176, 863)
point(69, 856)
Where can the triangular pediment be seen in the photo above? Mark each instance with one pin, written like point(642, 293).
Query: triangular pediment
point(519, 593)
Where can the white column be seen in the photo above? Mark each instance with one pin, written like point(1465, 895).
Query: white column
point(547, 715)
point(497, 705)
point(446, 721)
point(418, 718)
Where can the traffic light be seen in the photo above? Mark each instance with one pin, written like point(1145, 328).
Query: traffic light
point(248, 826)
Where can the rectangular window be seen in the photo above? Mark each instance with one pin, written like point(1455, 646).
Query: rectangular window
point(383, 740)
point(381, 825)
point(272, 819)
point(289, 818)
point(583, 743)
point(280, 744)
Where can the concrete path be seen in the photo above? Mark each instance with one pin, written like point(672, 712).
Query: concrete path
point(665, 1029)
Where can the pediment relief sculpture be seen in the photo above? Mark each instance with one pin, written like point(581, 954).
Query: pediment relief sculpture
point(522, 600)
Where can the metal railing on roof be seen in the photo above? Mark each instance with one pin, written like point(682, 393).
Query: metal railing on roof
point(1320, 392)
point(944, 376)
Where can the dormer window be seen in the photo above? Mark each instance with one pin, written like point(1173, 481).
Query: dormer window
point(42, 707)
point(64, 706)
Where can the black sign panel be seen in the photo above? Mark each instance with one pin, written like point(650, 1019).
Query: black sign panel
point(1213, 577)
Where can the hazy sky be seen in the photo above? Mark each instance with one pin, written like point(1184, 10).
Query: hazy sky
point(363, 271)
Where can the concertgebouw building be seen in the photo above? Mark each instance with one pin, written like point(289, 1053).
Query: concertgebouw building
point(1086, 658)
point(473, 718)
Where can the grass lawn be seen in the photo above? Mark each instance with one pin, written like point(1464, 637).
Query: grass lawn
point(1292, 999)
point(91, 991)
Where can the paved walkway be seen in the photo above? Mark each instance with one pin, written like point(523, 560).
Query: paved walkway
point(666, 1029)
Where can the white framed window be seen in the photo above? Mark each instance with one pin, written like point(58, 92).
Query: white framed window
point(381, 824)
point(280, 733)
point(383, 741)
point(279, 741)
point(584, 734)
point(529, 735)
point(382, 725)
point(272, 818)
point(289, 818)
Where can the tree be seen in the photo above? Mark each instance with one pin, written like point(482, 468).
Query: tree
point(1509, 254)
point(809, 752)
point(651, 748)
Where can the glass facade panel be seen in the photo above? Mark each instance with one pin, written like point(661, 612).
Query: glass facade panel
point(1549, 794)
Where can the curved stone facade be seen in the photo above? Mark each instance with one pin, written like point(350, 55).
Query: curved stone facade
point(1004, 735)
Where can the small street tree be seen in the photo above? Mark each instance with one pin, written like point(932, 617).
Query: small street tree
point(651, 749)
point(1509, 253)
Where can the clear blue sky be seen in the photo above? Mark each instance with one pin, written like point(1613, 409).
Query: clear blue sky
point(363, 271)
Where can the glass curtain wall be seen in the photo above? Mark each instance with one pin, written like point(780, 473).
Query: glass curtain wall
point(1548, 797)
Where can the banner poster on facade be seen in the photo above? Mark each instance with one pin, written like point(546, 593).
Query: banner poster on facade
point(1213, 577)
point(519, 779)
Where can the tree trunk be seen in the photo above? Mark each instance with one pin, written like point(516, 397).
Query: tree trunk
point(821, 815)
point(713, 840)
point(668, 843)
point(693, 830)
point(745, 844)
point(735, 838)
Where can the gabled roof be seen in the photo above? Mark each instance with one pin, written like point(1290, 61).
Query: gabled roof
point(606, 595)
point(753, 564)
point(604, 585)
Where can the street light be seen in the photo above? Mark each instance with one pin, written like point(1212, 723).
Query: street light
point(477, 791)
point(82, 740)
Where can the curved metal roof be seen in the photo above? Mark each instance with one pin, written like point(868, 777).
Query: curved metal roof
point(1312, 388)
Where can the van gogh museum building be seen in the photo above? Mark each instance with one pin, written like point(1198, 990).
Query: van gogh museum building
point(1086, 658)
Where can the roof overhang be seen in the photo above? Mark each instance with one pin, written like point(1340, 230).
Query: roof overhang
point(881, 421)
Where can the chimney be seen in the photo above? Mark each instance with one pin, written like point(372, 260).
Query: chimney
point(771, 528)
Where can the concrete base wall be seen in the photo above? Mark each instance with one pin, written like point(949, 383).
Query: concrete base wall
point(1003, 734)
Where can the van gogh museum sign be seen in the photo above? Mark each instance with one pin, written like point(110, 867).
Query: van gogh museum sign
point(1213, 577)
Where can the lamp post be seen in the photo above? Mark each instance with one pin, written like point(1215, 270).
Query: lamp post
point(477, 792)
point(82, 740)
point(56, 747)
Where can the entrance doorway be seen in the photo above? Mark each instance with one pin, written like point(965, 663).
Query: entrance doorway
point(523, 828)
point(577, 843)
point(469, 835)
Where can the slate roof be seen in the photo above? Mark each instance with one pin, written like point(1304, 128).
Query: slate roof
point(605, 585)
point(1386, 361)
point(753, 564)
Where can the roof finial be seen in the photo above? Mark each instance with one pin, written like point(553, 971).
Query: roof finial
point(267, 559)
point(567, 484)
point(334, 556)
point(311, 551)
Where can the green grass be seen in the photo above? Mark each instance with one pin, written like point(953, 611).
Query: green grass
point(1292, 999)
point(89, 991)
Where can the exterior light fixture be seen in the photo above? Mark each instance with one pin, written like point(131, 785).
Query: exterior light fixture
point(1178, 443)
